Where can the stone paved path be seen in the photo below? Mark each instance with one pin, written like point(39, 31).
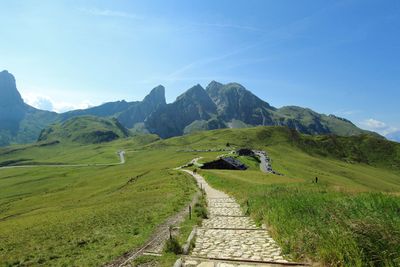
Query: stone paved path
point(228, 238)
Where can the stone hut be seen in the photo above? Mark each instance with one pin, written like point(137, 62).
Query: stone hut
point(228, 163)
point(245, 152)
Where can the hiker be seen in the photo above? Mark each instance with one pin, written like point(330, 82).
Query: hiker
point(316, 180)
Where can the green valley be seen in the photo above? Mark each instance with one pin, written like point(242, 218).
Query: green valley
point(91, 215)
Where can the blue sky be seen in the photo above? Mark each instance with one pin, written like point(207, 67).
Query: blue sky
point(339, 57)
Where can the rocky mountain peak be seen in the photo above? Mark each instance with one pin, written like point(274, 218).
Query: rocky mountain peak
point(9, 95)
point(196, 92)
point(156, 97)
point(213, 86)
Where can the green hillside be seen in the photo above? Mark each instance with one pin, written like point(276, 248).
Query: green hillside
point(86, 130)
point(308, 121)
point(349, 218)
point(365, 149)
point(89, 215)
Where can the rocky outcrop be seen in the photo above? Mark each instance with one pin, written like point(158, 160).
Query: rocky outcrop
point(139, 111)
point(171, 120)
point(12, 107)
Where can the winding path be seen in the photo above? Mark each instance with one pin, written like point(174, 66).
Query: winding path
point(228, 238)
point(121, 155)
point(264, 163)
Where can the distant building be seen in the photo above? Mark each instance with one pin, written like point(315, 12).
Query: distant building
point(228, 163)
point(245, 152)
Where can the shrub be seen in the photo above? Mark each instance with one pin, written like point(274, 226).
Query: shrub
point(173, 246)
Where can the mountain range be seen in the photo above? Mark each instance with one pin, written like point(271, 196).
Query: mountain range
point(198, 109)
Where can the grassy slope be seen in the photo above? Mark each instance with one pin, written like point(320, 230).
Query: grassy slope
point(85, 129)
point(29, 127)
point(302, 158)
point(318, 222)
point(342, 220)
point(308, 117)
point(87, 216)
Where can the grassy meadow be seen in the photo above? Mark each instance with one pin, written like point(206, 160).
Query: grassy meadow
point(88, 216)
point(351, 217)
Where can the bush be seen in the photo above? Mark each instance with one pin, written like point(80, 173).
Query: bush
point(200, 208)
point(173, 246)
point(200, 211)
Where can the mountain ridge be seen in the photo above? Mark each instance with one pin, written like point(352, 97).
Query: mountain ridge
point(217, 106)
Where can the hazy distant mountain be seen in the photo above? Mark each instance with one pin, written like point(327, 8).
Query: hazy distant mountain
point(19, 122)
point(198, 109)
point(128, 113)
point(395, 136)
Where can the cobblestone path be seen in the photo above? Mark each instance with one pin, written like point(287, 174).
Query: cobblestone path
point(229, 238)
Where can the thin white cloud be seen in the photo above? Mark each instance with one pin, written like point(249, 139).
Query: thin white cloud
point(375, 124)
point(109, 13)
point(43, 103)
point(390, 130)
point(378, 126)
point(64, 107)
point(46, 103)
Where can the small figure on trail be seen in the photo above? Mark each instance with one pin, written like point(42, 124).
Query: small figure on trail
point(316, 180)
point(195, 170)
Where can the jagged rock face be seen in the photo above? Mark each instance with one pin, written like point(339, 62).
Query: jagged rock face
point(222, 104)
point(170, 120)
point(141, 110)
point(156, 97)
point(8, 90)
point(12, 107)
point(196, 100)
point(235, 102)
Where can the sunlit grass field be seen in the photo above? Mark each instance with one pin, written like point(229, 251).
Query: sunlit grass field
point(88, 216)
point(349, 218)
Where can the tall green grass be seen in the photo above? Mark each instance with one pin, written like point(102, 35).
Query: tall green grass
point(314, 222)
